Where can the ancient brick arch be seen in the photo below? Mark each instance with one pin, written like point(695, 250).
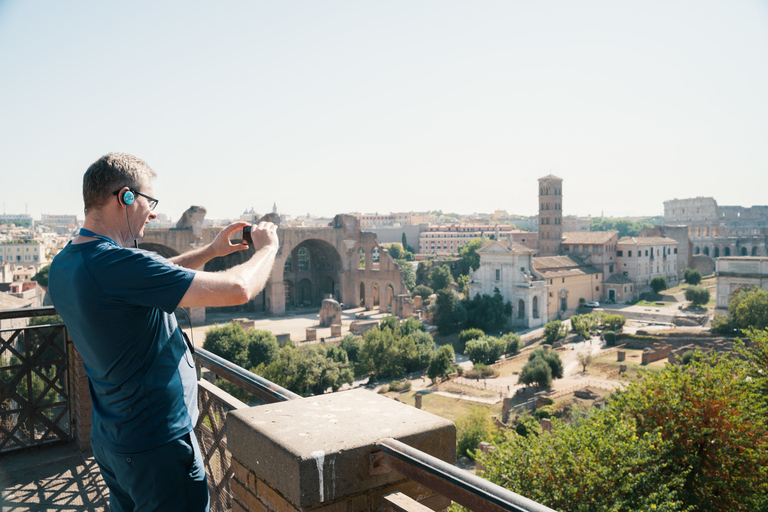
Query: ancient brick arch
point(335, 249)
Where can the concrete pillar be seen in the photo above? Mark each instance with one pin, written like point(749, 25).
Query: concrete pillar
point(621, 355)
point(319, 453)
point(418, 401)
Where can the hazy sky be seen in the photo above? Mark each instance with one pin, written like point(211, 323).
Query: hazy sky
point(337, 106)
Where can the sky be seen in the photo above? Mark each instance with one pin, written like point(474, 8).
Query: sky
point(325, 107)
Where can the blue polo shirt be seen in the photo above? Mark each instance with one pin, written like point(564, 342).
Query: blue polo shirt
point(118, 306)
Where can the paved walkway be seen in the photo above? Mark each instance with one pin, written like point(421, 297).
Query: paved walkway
point(52, 477)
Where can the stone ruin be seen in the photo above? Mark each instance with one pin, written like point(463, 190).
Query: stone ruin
point(330, 313)
point(658, 352)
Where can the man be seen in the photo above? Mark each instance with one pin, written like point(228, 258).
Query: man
point(118, 306)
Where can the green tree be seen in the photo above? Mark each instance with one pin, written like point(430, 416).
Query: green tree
point(409, 275)
point(466, 335)
point(585, 359)
point(536, 372)
point(554, 330)
point(659, 284)
point(512, 343)
point(262, 347)
point(396, 251)
point(440, 277)
point(229, 341)
point(41, 277)
point(469, 257)
point(351, 345)
point(472, 429)
point(485, 349)
point(489, 313)
point(697, 295)
point(684, 438)
point(749, 308)
point(442, 364)
point(450, 313)
point(423, 291)
point(692, 276)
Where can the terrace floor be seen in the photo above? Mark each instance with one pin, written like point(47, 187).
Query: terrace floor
point(51, 478)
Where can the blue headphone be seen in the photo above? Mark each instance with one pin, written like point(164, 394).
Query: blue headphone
point(128, 197)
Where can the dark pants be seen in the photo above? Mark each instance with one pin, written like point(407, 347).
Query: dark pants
point(169, 477)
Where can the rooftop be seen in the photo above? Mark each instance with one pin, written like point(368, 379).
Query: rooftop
point(588, 237)
point(647, 240)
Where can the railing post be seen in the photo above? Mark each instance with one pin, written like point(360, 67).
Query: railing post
point(80, 396)
point(319, 452)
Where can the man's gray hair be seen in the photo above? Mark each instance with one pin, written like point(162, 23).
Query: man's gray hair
point(110, 173)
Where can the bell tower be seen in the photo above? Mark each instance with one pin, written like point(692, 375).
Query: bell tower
point(550, 215)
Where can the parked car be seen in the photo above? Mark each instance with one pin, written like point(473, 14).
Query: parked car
point(592, 304)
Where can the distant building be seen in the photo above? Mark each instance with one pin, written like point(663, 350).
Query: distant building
point(642, 258)
point(569, 280)
point(58, 220)
point(734, 273)
point(444, 240)
point(16, 219)
point(509, 268)
point(22, 251)
point(596, 248)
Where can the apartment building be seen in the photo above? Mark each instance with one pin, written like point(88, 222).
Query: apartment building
point(22, 251)
point(640, 259)
point(444, 240)
point(597, 248)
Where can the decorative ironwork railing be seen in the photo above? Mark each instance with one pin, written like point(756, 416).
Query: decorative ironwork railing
point(214, 404)
point(34, 386)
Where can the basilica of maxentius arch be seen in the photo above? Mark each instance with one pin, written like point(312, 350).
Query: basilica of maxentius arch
point(313, 263)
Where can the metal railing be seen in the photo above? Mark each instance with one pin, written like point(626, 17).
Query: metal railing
point(462, 487)
point(36, 409)
point(34, 383)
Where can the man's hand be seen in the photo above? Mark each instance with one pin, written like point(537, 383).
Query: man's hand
point(264, 235)
point(222, 245)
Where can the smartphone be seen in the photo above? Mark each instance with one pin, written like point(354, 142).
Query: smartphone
point(247, 235)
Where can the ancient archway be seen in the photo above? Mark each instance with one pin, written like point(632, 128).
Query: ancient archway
point(315, 266)
point(361, 302)
point(727, 251)
point(743, 251)
point(375, 295)
point(535, 307)
point(521, 308)
point(716, 253)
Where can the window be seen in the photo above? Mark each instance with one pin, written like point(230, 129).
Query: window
point(629, 254)
point(563, 279)
point(620, 253)
point(498, 274)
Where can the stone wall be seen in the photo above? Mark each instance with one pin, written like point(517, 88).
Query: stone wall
point(320, 454)
point(658, 352)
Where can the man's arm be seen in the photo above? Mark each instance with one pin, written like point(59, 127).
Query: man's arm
point(239, 284)
point(221, 246)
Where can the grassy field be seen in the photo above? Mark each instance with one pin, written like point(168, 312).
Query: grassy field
point(443, 406)
point(607, 366)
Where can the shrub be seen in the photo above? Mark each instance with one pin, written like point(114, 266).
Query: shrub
point(658, 284)
point(423, 291)
point(486, 349)
point(512, 343)
point(546, 411)
point(481, 371)
point(554, 330)
point(721, 324)
point(697, 295)
point(400, 385)
point(465, 336)
point(610, 337)
point(692, 276)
